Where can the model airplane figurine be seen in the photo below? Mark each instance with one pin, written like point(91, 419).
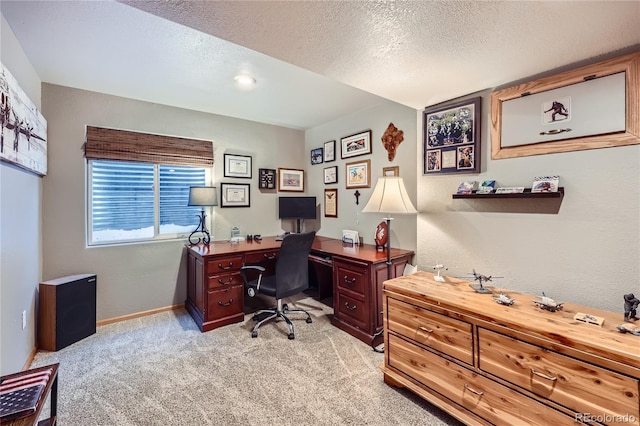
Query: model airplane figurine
point(548, 303)
point(480, 278)
point(503, 299)
point(438, 268)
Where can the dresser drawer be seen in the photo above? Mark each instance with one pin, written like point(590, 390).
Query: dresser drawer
point(578, 385)
point(352, 310)
point(440, 332)
point(225, 280)
point(224, 302)
point(351, 277)
point(487, 399)
point(224, 264)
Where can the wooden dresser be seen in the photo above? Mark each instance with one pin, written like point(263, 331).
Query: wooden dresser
point(487, 363)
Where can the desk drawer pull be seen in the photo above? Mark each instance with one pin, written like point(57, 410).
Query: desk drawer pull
point(225, 267)
point(544, 376)
point(229, 281)
point(351, 308)
point(349, 281)
point(226, 304)
point(269, 257)
point(466, 386)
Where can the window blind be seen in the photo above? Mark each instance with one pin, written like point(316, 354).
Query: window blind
point(111, 144)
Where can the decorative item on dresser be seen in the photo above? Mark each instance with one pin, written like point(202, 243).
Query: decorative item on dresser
point(489, 363)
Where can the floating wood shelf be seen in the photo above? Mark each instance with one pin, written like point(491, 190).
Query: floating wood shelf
point(526, 194)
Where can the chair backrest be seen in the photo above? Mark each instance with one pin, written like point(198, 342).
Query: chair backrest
point(292, 266)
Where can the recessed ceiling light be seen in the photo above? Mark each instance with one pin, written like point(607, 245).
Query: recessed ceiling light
point(245, 80)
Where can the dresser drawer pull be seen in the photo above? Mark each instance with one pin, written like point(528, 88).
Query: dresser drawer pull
point(466, 386)
point(225, 304)
point(351, 308)
point(425, 329)
point(229, 281)
point(544, 376)
point(269, 257)
point(349, 281)
point(225, 267)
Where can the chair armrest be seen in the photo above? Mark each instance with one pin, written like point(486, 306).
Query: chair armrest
point(254, 267)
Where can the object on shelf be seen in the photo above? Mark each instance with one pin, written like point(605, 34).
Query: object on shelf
point(548, 303)
point(467, 187)
point(510, 190)
point(504, 299)
point(486, 187)
point(589, 319)
point(439, 267)
point(545, 184)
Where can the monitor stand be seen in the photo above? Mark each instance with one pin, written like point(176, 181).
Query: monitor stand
point(298, 226)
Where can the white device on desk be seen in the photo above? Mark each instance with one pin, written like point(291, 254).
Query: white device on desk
point(236, 239)
point(350, 237)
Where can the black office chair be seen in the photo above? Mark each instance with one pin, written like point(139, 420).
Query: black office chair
point(291, 277)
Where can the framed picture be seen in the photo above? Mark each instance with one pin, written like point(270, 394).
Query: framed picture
point(391, 171)
point(329, 151)
point(267, 178)
point(331, 202)
point(330, 175)
point(452, 138)
point(358, 174)
point(237, 166)
point(317, 156)
point(354, 145)
point(290, 180)
point(235, 194)
point(564, 112)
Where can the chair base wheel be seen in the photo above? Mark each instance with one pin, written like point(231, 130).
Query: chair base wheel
point(254, 334)
point(309, 320)
point(291, 336)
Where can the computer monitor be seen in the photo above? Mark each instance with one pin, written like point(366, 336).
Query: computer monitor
point(297, 208)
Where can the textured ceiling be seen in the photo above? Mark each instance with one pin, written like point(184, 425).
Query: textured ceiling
point(310, 58)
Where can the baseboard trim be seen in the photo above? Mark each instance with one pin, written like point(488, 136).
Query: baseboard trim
point(30, 359)
point(139, 314)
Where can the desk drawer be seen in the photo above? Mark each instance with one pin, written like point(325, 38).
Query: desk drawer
point(490, 400)
point(352, 310)
point(258, 257)
point(443, 333)
point(224, 264)
point(578, 385)
point(225, 280)
point(351, 277)
point(224, 302)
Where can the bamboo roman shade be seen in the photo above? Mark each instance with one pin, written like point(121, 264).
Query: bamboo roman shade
point(123, 145)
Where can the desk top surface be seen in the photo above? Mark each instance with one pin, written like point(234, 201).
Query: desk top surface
point(321, 245)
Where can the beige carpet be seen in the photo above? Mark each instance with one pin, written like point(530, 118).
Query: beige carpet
point(161, 370)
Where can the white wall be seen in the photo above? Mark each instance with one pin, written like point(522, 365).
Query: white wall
point(139, 277)
point(350, 216)
point(586, 253)
point(20, 229)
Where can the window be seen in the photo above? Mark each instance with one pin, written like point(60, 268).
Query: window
point(131, 201)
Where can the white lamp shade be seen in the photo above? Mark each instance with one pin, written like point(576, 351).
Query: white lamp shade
point(390, 196)
point(203, 196)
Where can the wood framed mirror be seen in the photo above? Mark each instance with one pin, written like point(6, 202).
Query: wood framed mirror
point(535, 103)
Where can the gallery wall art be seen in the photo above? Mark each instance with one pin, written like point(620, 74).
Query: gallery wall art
point(23, 137)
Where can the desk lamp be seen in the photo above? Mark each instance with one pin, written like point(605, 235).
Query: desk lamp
point(202, 196)
point(389, 196)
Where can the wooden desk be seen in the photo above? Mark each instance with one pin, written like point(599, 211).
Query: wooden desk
point(215, 291)
point(50, 387)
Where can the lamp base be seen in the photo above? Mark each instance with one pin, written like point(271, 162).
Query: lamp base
point(206, 238)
